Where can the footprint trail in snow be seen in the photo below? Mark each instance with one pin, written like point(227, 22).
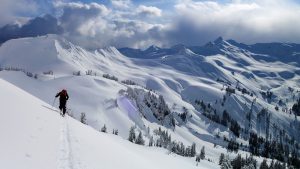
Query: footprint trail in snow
point(65, 159)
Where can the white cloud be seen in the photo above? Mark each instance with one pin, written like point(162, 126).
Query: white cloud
point(246, 21)
point(121, 3)
point(82, 19)
point(190, 22)
point(148, 11)
point(94, 25)
point(12, 11)
point(94, 8)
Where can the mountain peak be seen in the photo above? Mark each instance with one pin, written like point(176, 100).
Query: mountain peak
point(216, 43)
point(219, 40)
point(152, 48)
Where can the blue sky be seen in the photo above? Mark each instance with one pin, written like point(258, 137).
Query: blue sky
point(141, 23)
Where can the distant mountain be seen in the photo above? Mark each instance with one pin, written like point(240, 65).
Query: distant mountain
point(34, 27)
point(270, 52)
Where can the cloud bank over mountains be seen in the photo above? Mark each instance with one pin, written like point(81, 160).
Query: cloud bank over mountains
point(124, 23)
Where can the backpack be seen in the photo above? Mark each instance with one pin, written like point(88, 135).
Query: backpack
point(64, 92)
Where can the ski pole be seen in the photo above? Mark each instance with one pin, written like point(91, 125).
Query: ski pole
point(53, 102)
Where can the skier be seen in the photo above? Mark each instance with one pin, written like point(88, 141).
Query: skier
point(63, 97)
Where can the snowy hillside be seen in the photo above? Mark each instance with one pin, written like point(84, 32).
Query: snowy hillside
point(36, 136)
point(216, 96)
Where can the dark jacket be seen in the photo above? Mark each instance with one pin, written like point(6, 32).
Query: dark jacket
point(63, 97)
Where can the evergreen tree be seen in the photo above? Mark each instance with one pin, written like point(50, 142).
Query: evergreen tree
point(198, 158)
point(151, 141)
point(267, 149)
point(221, 158)
point(226, 163)
point(183, 116)
point(173, 122)
point(237, 162)
point(163, 108)
point(272, 165)
point(232, 146)
point(294, 159)
point(131, 137)
point(83, 118)
point(115, 131)
point(182, 149)
point(296, 107)
point(202, 153)
point(225, 118)
point(264, 165)
point(253, 143)
point(103, 129)
point(193, 150)
point(140, 139)
point(277, 165)
point(188, 152)
point(235, 128)
point(248, 166)
point(250, 163)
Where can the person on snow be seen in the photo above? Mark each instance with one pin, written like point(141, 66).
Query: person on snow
point(63, 97)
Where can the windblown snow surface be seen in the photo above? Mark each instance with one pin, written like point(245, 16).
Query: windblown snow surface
point(36, 136)
point(36, 133)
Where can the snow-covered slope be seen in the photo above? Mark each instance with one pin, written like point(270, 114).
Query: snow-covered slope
point(36, 136)
point(180, 74)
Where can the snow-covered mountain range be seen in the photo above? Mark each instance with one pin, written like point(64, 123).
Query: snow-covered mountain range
point(215, 95)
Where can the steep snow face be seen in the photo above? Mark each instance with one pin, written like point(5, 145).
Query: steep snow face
point(52, 53)
point(31, 131)
point(35, 54)
point(36, 136)
point(179, 74)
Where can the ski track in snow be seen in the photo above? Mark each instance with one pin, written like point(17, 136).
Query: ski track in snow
point(66, 158)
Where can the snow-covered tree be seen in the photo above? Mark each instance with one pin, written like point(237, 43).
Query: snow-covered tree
point(188, 151)
point(250, 163)
point(148, 101)
point(162, 106)
point(77, 73)
point(221, 158)
point(183, 116)
point(226, 163)
point(237, 162)
point(131, 136)
point(107, 76)
point(172, 121)
point(115, 131)
point(248, 166)
point(278, 165)
point(182, 149)
point(202, 153)
point(193, 150)
point(151, 141)
point(233, 145)
point(83, 118)
point(264, 165)
point(296, 107)
point(140, 140)
point(103, 129)
point(198, 158)
point(272, 165)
